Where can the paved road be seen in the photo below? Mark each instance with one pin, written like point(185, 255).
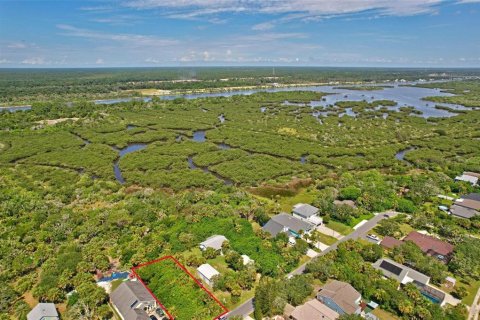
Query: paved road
point(247, 307)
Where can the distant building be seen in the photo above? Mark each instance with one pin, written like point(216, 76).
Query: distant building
point(467, 206)
point(214, 242)
point(132, 301)
point(207, 273)
point(390, 242)
point(289, 224)
point(43, 311)
point(313, 310)
point(470, 177)
point(431, 246)
point(307, 213)
point(399, 272)
point(450, 282)
point(246, 260)
point(341, 297)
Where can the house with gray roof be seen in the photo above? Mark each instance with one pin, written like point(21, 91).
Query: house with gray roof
point(43, 311)
point(214, 242)
point(132, 301)
point(289, 224)
point(340, 297)
point(307, 213)
point(467, 206)
point(469, 177)
point(207, 273)
point(401, 273)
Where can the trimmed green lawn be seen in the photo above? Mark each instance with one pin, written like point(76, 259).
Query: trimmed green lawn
point(326, 239)
point(356, 221)
point(339, 227)
point(472, 291)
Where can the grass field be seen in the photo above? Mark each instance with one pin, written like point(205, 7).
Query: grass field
point(328, 240)
point(339, 227)
point(472, 289)
point(303, 196)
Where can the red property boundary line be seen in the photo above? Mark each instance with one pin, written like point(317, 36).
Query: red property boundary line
point(189, 274)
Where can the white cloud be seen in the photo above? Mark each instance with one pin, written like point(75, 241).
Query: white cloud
point(34, 61)
point(306, 8)
point(99, 61)
point(263, 26)
point(4, 61)
point(152, 60)
point(17, 45)
point(133, 39)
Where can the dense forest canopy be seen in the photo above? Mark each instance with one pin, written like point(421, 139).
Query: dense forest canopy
point(64, 214)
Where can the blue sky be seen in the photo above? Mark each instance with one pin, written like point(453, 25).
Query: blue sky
point(381, 33)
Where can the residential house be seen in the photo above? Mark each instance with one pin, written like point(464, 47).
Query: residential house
point(291, 225)
point(467, 206)
point(207, 273)
point(431, 246)
point(399, 272)
point(307, 213)
point(132, 301)
point(214, 242)
point(313, 310)
point(470, 177)
point(340, 297)
point(43, 311)
point(390, 242)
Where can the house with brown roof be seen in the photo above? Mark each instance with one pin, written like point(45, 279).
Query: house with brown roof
point(341, 297)
point(390, 242)
point(313, 310)
point(467, 206)
point(431, 246)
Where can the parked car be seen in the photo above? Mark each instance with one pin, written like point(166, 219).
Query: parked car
point(373, 237)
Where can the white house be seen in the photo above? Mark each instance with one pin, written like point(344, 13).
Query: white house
point(307, 213)
point(469, 177)
point(206, 272)
point(214, 242)
point(43, 311)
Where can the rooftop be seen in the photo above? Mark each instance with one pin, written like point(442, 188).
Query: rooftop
point(343, 294)
point(214, 242)
point(390, 242)
point(463, 212)
point(429, 244)
point(208, 271)
point(470, 201)
point(467, 178)
point(314, 310)
point(305, 210)
point(42, 310)
point(127, 296)
point(392, 269)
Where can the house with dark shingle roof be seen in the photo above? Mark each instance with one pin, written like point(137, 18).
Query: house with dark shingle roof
point(431, 246)
point(43, 311)
point(341, 297)
point(284, 222)
point(132, 301)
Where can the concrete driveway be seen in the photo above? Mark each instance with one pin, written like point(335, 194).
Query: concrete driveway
point(329, 232)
